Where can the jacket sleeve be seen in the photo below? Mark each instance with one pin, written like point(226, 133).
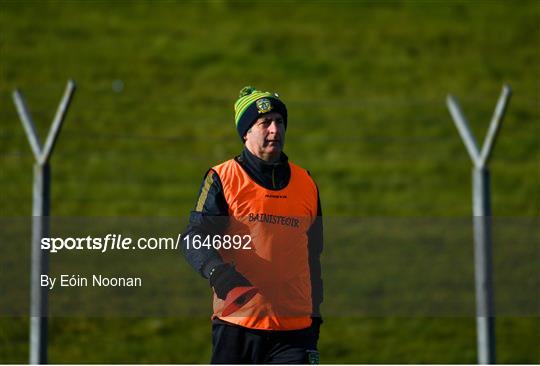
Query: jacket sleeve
point(315, 248)
point(209, 217)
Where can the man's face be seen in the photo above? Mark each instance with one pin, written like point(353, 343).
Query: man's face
point(266, 138)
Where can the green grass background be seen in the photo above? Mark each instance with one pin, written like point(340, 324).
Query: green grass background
point(365, 84)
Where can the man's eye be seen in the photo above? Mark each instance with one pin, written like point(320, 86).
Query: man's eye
point(268, 122)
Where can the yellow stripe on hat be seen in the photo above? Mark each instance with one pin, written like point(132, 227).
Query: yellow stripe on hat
point(244, 102)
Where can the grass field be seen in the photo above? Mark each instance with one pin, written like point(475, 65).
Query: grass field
point(365, 84)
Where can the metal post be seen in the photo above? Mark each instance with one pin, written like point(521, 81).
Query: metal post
point(40, 264)
point(485, 319)
point(485, 314)
point(40, 220)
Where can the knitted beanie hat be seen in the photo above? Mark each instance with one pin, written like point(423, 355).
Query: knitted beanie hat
point(253, 103)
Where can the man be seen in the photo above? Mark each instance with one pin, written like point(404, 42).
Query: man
point(267, 288)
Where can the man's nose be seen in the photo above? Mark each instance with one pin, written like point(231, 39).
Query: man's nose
point(273, 127)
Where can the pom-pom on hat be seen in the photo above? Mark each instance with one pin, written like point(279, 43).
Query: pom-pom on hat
point(253, 103)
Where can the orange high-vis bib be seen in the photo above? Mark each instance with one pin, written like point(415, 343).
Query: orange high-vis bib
point(276, 261)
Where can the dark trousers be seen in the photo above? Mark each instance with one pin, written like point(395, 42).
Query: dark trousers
point(233, 344)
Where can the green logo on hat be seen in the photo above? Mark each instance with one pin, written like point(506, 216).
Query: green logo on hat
point(263, 105)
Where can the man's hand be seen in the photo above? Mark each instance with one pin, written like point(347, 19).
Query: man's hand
point(224, 278)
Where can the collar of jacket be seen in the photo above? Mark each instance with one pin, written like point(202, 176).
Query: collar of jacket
point(269, 175)
point(261, 165)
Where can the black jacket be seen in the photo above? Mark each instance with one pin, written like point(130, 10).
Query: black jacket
point(211, 211)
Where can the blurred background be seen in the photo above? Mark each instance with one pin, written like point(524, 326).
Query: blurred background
point(365, 85)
